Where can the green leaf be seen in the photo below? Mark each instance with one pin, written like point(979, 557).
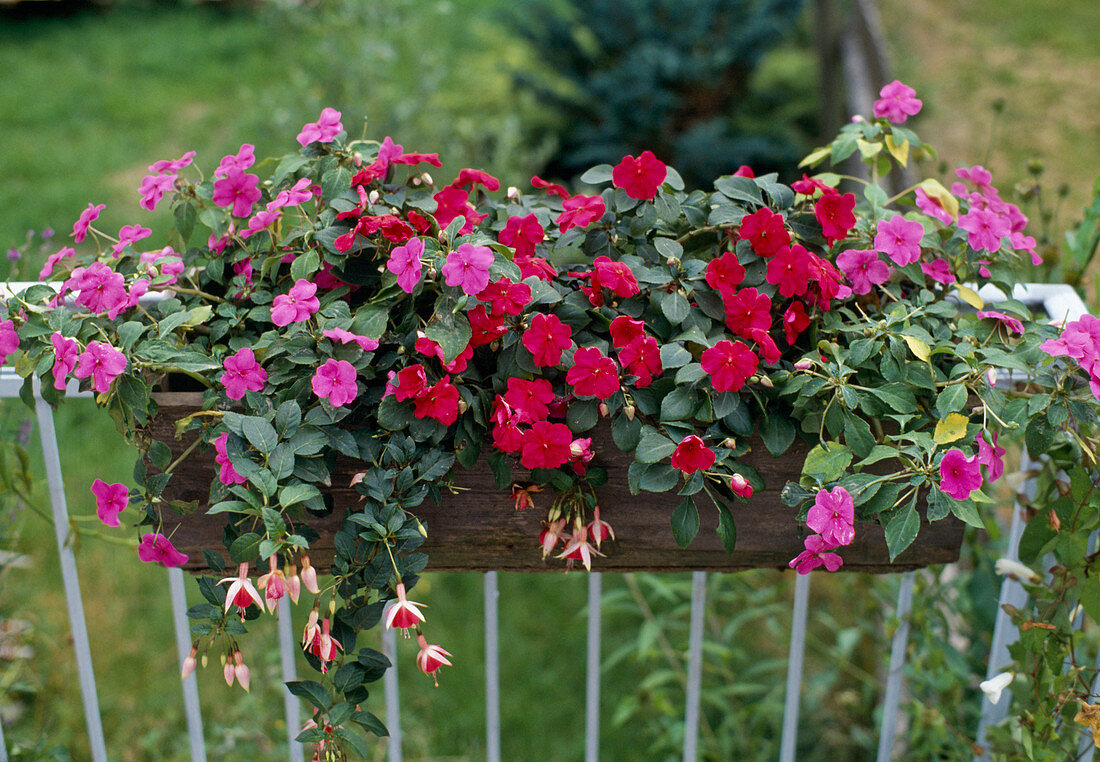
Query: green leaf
point(370, 723)
point(827, 464)
point(678, 405)
point(901, 530)
point(297, 493)
point(273, 523)
point(685, 522)
point(1039, 436)
point(674, 356)
point(951, 400)
point(659, 477)
point(601, 173)
point(281, 461)
point(451, 331)
point(259, 433)
point(305, 265)
point(313, 692)
point(966, 511)
point(626, 433)
point(778, 434)
point(739, 189)
point(334, 182)
point(653, 446)
point(675, 307)
point(950, 428)
point(288, 417)
point(668, 248)
point(245, 548)
point(185, 220)
point(727, 529)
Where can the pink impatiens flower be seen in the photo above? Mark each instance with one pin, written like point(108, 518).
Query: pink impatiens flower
point(468, 267)
point(986, 229)
point(297, 305)
point(863, 269)
point(227, 474)
point(66, 351)
point(324, 130)
point(87, 217)
point(897, 102)
point(932, 207)
point(172, 166)
point(9, 339)
point(156, 548)
point(899, 239)
point(242, 374)
point(641, 177)
point(129, 234)
point(989, 455)
point(365, 343)
point(816, 554)
point(959, 475)
point(1012, 323)
point(101, 288)
point(261, 220)
point(238, 191)
point(335, 381)
point(406, 265)
point(53, 260)
point(833, 516)
point(242, 160)
point(938, 270)
point(153, 188)
point(102, 362)
point(110, 500)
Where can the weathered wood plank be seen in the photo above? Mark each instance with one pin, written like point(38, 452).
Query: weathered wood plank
point(477, 528)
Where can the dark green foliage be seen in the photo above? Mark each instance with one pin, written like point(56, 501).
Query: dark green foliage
point(681, 78)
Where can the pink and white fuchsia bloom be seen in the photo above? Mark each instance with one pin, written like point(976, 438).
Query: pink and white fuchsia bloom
point(430, 658)
point(241, 593)
point(402, 613)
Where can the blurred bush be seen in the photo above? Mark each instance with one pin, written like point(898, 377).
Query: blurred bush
point(708, 85)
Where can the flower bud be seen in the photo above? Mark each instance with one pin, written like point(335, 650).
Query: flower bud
point(729, 443)
point(463, 406)
point(241, 671)
point(1055, 522)
point(628, 411)
point(991, 376)
point(805, 364)
point(554, 514)
point(672, 262)
point(766, 382)
point(604, 410)
point(189, 663)
point(442, 237)
point(427, 178)
point(495, 345)
point(204, 660)
point(513, 192)
point(740, 486)
point(1015, 569)
point(309, 576)
point(420, 528)
point(373, 196)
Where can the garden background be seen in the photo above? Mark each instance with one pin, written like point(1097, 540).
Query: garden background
point(92, 94)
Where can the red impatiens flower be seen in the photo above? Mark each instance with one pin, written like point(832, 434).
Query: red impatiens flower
point(546, 445)
point(625, 330)
point(411, 383)
point(440, 402)
point(507, 436)
point(790, 270)
point(642, 358)
point(834, 211)
point(765, 232)
point(725, 273)
point(593, 374)
point(692, 455)
point(795, 321)
point(522, 234)
point(640, 177)
point(748, 311)
point(476, 177)
point(506, 297)
point(529, 399)
point(580, 212)
point(614, 276)
point(729, 364)
point(546, 339)
point(484, 328)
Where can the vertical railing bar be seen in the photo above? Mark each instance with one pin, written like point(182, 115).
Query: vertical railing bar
point(288, 647)
point(190, 683)
point(3, 746)
point(592, 671)
point(492, 671)
point(894, 677)
point(794, 668)
point(393, 704)
point(695, 665)
point(52, 458)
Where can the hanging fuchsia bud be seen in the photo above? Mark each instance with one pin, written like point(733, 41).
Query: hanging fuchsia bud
point(309, 576)
point(740, 486)
point(189, 663)
point(273, 584)
point(240, 670)
point(227, 671)
point(312, 629)
point(293, 582)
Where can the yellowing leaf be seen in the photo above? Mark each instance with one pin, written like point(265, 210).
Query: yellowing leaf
point(970, 296)
point(951, 428)
point(815, 157)
point(901, 153)
point(868, 150)
point(918, 348)
point(942, 196)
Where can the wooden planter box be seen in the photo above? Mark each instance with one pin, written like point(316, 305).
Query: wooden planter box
point(478, 529)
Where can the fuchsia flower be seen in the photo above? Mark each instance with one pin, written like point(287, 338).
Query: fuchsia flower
point(153, 188)
point(816, 554)
point(335, 381)
point(899, 239)
point(227, 474)
point(297, 305)
point(593, 374)
point(66, 352)
point(156, 548)
point(468, 267)
point(959, 475)
point(897, 102)
point(243, 373)
point(546, 445)
point(129, 234)
point(547, 338)
point(324, 646)
point(242, 160)
point(863, 269)
point(405, 264)
point(9, 339)
point(102, 362)
point(641, 177)
point(577, 547)
point(110, 500)
point(324, 130)
point(430, 658)
point(238, 191)
point(241, 593)
point(692, 455)
point(87, 217)
point(598, 529)
point(833, 516)
point(986, 229)
point(728, 364)
point(274, 584)
point(365, 343)
point(402, 614)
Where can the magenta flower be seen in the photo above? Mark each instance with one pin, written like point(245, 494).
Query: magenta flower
point(110, 500)
point(227, 474)
point(833, 516)
point(242, 160)
point(156, 548)
point(1012, 323)
point(959, 475)
point(102, 362)
point(301, 192)
point(129, 234)
point(932, 208)
point(66, 351)
point(324, 130)
point(87, 217)
point(899, 239)
point(405, 264)
point(989, 455)
point(296, 306)
point(172, 166)
point(938, 270)
point(242, 374)
point(816, 554)
point(9, 339)
point(101, 288)
point(468, 267)
point(979, 175)
point(366, 343)
point(162, 263)
point(153, 188)
point(53, 260)
point(863, 269)
point(237, 190)
point(335, 381)
point(986, 229)
point(897, 102)
point(259, 221)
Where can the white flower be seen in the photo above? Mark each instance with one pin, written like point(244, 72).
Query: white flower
point(1007, 566)
point(995, 685)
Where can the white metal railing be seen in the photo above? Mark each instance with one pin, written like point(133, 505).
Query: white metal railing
point(1060, 302)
